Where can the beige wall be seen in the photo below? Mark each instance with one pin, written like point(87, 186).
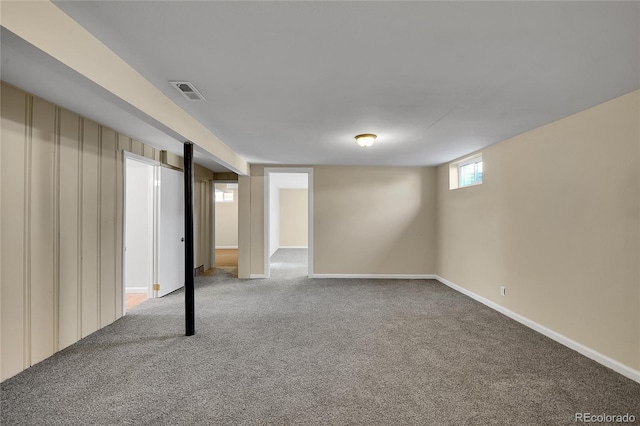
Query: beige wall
point(61, 229)
point(256, 215)
point(227, 222)
point(556, 221)
point(367, 220)
point(244, 227)
point(374, 220)
point(294, 218)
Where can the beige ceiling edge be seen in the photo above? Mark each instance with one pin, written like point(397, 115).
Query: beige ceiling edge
point(49, 29)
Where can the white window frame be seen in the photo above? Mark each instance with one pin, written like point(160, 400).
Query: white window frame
point(223, 200)
point(456, 167)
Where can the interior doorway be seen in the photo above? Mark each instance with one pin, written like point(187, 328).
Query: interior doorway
point(288, 226)
point(139, 265)
point(226, 225)
point(153, 252)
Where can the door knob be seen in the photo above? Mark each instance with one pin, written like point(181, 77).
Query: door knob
point(182, 239)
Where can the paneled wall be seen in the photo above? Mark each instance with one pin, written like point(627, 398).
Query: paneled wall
point(202, 223)
point(61, 207)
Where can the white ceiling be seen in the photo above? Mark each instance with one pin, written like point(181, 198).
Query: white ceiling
point(29, 68)
point(293, 82)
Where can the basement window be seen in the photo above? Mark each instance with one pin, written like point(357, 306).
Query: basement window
point(466, 172)
point(224, 197)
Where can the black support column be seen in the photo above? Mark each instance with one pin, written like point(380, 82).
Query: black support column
point(189, 293)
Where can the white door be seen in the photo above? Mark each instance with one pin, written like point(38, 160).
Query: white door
point(138, 257)
point(171, 231)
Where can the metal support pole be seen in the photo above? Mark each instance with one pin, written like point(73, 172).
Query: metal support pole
point(189, 293)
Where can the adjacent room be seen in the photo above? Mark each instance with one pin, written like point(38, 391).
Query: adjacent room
point(363, 213)
point(287, 222)
point(226, 225)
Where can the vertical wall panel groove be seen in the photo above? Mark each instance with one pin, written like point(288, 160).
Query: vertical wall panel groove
point(137, 147)
point(107, 229)
point(27, 236)
point(42, 230)
point(80, 222)
point(119, 226)
point(90, 227)
point(124, 146)
point(13, 138)
point(203, 225)
point(69, 229)
point(203, 229)
point(115, 232)
point(206, 231)
point(99, 231)
point(56, 236)
point(199, 224)
point(148, 151)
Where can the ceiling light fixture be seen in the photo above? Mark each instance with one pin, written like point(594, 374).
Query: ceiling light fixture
point(366, 139)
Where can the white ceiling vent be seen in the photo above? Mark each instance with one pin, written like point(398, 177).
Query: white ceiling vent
point(188, 90)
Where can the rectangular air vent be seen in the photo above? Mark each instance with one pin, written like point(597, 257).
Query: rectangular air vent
point(188, 90)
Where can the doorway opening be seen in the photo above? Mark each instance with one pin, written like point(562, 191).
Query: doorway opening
point(226, 226)
point(140, 229)
point(153, 252)
point(288, 225)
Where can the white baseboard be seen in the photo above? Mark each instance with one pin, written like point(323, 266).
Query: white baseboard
point(293, 247)
point(252, 276)
point(379, 276)
point(136, 289)
point(226, 247)
point(572, 344)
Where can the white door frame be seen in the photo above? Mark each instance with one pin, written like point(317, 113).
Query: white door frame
point(267, 190)
point(154, 255)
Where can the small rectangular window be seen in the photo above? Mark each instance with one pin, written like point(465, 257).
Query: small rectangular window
point(466, 172)
point(224, 197)
point(470, 173)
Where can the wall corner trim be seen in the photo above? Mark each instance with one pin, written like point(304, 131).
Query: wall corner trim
point(379, 276)
point(616, 366)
